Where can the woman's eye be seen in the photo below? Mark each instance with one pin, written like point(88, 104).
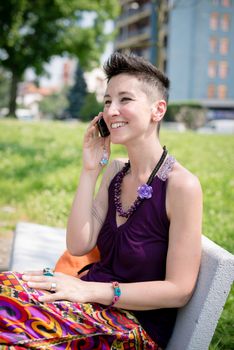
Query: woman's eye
point(126, 99)
point(107, 102)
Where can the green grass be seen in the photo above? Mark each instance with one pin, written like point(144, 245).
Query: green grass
point(39, 171)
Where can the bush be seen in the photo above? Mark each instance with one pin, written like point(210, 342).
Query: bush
point(192, 114)
point(172, 110)
point(91, 107)
point(192, 118)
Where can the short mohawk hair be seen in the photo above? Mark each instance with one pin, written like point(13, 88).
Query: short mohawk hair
point(134, 65)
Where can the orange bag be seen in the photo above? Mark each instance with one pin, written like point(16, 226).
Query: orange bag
point(70, 264)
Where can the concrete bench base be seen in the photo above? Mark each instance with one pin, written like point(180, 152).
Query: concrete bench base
point(37, 246)
point(196, 322)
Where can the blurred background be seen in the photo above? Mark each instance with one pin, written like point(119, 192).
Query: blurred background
point(51, 56)
point(52, 84)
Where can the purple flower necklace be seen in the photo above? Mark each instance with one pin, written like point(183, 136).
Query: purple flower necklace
point(144, 191)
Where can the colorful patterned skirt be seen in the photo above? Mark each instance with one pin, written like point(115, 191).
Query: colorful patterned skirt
point(25, 323)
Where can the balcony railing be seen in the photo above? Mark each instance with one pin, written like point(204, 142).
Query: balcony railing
point(133, 33)
point(134, 12)
point(140, 40)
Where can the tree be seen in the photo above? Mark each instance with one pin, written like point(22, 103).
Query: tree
point(34, 31)
point(91, 107)
point(4, 88)
point(53, 106)
point(77, 94)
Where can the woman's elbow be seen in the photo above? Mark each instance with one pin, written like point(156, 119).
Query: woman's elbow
point(75, 251)
point(78, 249)
point(184, 296)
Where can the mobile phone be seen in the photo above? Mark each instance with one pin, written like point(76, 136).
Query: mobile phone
point(102, 127)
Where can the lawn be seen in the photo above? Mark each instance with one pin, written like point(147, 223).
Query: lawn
point(39, 171)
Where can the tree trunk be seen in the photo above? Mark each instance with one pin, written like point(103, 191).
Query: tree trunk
point(13, 95)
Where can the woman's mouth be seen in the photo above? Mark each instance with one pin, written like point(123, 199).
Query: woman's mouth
point(118, 125)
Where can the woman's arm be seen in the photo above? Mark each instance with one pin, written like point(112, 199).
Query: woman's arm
point(88, 214)
point(82, 227)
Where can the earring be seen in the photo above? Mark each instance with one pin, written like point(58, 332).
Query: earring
point(104, 160)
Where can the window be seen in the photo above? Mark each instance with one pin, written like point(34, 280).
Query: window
point(226, 3)
point(214, 18)
point(213, 44)
point(224, 46)
point(222, 91)
point(211, 91)
point(223, 69)
point(212, 68)
point(225, 22)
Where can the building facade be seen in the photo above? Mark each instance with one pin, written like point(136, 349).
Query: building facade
point(200, 55)
point(137, 28)
point(192, 41)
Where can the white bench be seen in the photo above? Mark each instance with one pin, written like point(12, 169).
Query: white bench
point(196, 321)
point(36, 246)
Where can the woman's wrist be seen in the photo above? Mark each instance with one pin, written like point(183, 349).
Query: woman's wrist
point(102, 293)
point(117, 293)
point(90, 174)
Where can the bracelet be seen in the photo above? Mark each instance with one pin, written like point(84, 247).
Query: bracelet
point(117, 292)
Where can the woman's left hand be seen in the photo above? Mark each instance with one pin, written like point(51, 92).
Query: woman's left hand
point(67, 287)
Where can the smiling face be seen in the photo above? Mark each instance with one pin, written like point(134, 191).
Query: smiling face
point(128, 111)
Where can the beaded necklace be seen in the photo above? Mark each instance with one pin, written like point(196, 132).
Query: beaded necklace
point(144, 191)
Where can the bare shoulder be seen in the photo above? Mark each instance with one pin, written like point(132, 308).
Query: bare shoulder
point(181, 182)
point(121, 162)
point(115, 165)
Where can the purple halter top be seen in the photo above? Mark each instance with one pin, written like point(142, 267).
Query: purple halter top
point(136, 251)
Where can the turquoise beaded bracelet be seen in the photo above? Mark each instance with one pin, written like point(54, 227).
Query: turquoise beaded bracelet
point(117, 292)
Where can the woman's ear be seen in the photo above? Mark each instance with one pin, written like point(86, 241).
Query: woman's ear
point(158, 110)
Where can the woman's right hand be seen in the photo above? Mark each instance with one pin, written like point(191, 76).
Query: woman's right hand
point(94, 145)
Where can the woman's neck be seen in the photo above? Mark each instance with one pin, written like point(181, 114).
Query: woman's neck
point(143, 158)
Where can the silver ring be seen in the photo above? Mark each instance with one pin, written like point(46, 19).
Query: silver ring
point(53, 287)
point(47, 271)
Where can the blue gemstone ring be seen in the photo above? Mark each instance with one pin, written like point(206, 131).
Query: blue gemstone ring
point(47, 271)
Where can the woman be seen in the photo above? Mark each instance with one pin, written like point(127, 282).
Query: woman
point(146, 221)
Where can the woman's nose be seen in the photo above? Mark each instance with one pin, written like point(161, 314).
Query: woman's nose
point(112, 110)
